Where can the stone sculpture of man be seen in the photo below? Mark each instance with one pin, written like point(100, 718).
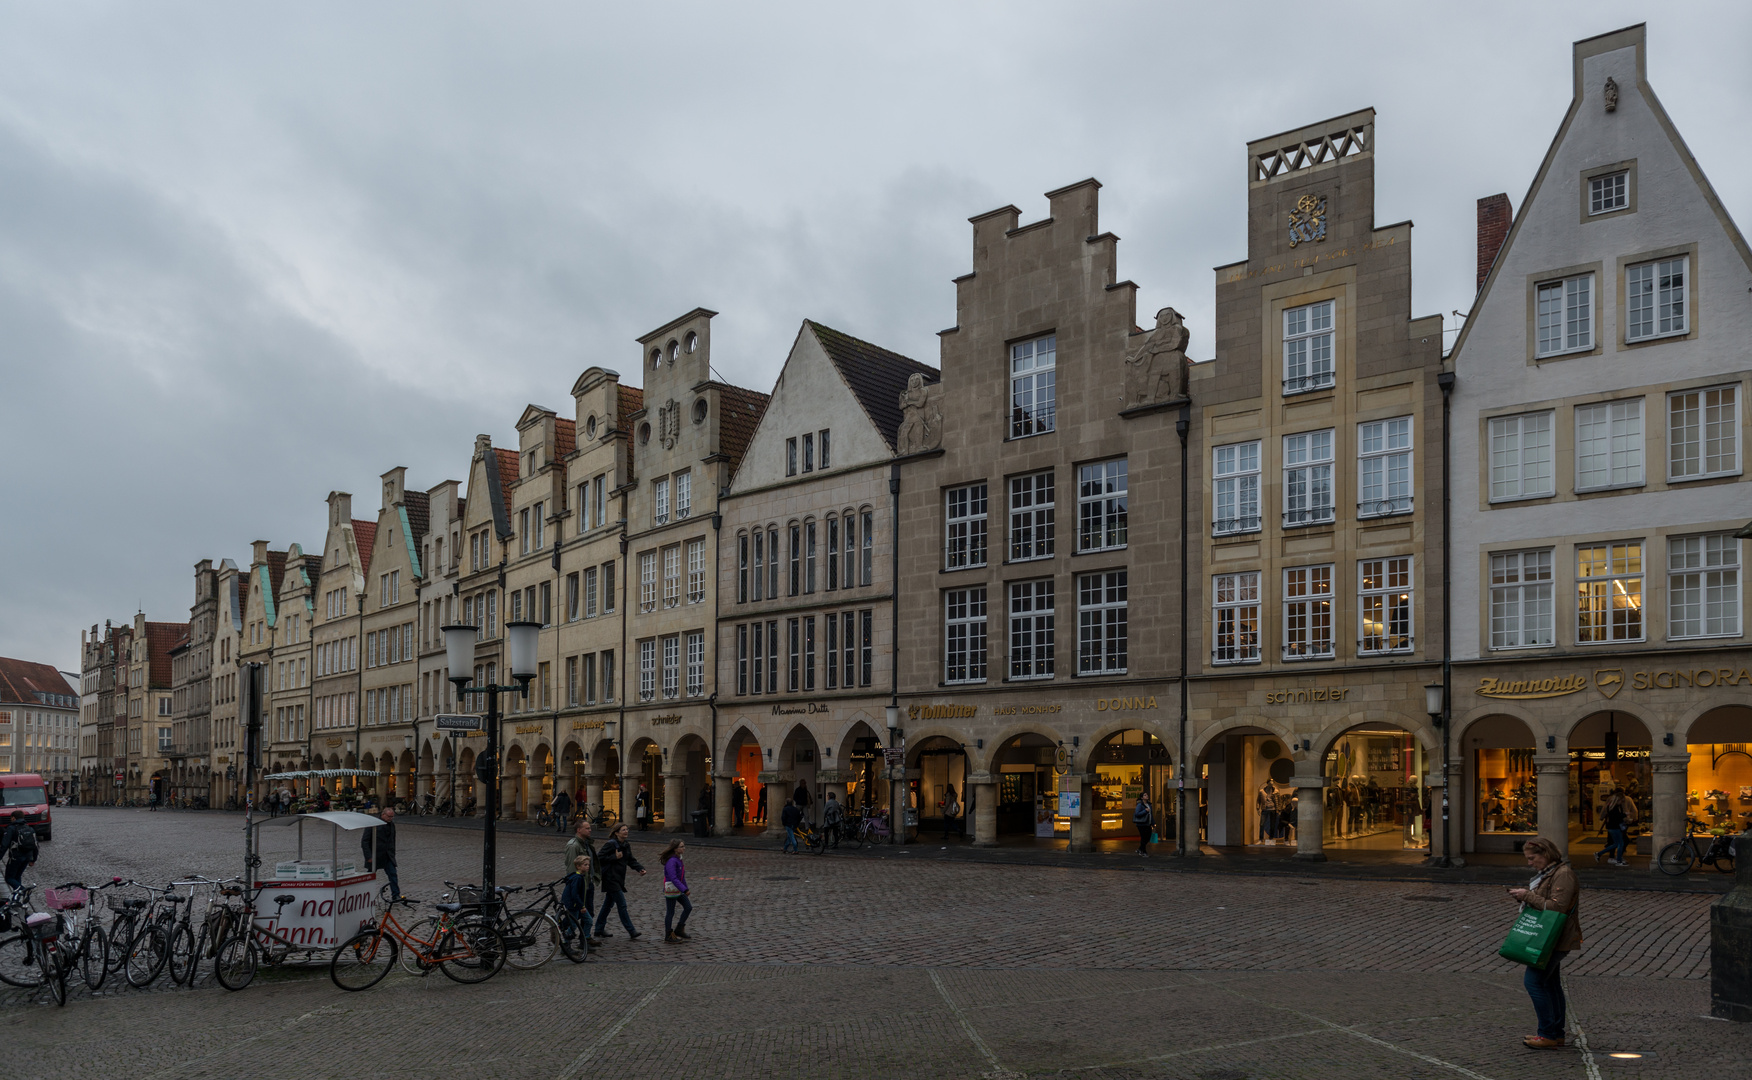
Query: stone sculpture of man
point(1156, 373)
point(921, 424)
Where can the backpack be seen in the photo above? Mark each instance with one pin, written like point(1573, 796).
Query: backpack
point(24, 848)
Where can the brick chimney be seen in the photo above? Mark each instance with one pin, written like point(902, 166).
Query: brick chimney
point(1494, 217)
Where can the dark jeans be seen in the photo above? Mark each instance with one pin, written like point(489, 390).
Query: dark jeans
point(1617, 840)
point(669, 923)
point(14, 874)
point(388, 868)
point(1144, 839)
point(790, 839)
point(613, 898)
point(1545, 987)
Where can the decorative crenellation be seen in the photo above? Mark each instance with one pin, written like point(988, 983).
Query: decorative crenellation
point(1333, 146)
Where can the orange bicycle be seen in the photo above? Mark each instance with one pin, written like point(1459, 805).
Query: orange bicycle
point(468, 950)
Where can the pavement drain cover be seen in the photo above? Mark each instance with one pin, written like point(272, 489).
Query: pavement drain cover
point(781, 878)
point(1431, 899)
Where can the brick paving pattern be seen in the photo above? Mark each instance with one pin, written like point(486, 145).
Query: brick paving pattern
point(891, 966)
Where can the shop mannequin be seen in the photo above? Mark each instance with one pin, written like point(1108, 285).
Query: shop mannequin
point(1268, 817)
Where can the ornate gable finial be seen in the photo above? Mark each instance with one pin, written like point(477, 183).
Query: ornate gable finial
point(1611, 94)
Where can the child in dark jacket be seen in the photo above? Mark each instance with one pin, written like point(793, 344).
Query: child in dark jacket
point(572, 899)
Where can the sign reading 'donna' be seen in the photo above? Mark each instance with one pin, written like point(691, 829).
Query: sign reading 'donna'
point(1070, 804)
point(323, 915)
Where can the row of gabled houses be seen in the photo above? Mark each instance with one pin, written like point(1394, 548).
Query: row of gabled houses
point(1300, 590)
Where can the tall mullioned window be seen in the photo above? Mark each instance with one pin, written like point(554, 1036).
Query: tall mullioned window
point(1308, 347)
point(648, 581)
point(696, 571)
point(1308, 497)
point(965, 527)
point(1384, 605)
point(1654, 294)
point(1102, 505)
point(1308, 612)
point(1703, 586)
point(1031, 516)
point(1235, 487)
point(1033, 382)
point(1609, 444)
point(660, 501)
point(1031, 629)
point(1521, 599)
point(1235, 618)
point(1521, 457)
point(1384, 476)
point(1703, 433)
point(683, 494)
point(1101, 622)
point(1609, 592)
point(964, 635)
point(1565, 315)
point(647, 670)
point(696, 663)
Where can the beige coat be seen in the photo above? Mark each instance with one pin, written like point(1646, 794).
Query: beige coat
point(1560, 891)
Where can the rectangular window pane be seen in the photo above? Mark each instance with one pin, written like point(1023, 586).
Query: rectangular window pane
point(1521, 604)
point(794, 635)
point(1235, 618)
point(867, 646)
point(1031, 516)
point(757, 657)
point(1101, 622)
point(833, 551)
point(1308, 478)
point(1703, 586)
point(1384, 476)
point(1031, 629)
point(1521, 456)
point(696, 571)
point(1102, 505)
point(696, 663)
point(647, 670)
point(830, 646)
point(965, 527)
point(809, 556)
point(1606, 193)
point(672, 575)
point(1033, 379)
point(1235, 479)
point(742, 658)
point(671, 667)
point(1384, 605)
point(1308, 347)
point(1609, 593)
point(1703, 437)
point(648, 581)
point(964, 637)
point(1565, 315)
point(848, 647)
point(809, 652)
point(1307, 612)
point(1609, 444)
point(868, 523)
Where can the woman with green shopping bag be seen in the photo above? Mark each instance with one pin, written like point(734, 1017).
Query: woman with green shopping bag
point(1549, 928)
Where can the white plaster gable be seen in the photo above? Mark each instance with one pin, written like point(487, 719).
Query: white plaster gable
point(810, 395)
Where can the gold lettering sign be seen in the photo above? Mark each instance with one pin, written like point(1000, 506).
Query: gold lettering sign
point(1527, 689)
point(586, 725)
point(530, 729)
point(1609, 682)
point(1119, 704)
point(940, 712)
point(1012, 710)
point(1306, 697)
point(672, 718)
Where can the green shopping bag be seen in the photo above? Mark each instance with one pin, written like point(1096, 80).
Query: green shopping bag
point(1533, 936)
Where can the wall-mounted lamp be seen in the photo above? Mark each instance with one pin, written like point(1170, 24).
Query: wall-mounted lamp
point(769, 753)
point(608, 730)
point(1433, 702)
point(1667, 739)
point(1551, 742)
point(666, 753)
point(1307, 744)
point(979, 744)
point(1076, 740)
point(827, 751)
point(408, 741)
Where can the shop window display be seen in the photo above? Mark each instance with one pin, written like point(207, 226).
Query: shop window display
point(1508, 793)
point(1374, 797)
point(1719, 785)
point(1127, 765)
point(1272, 802)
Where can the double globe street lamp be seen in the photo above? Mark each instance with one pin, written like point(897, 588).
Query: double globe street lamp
point(459, 651)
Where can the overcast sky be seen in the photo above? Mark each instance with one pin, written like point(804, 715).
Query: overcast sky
point(253, 253)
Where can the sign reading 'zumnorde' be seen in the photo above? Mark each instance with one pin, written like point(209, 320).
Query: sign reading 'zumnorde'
point(1609, 681)
point(457, 721)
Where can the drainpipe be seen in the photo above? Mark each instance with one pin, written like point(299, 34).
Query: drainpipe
point(626, 617)
point(1445, 380)
point(896, 812)
point(713, 760)
point(1188, 806)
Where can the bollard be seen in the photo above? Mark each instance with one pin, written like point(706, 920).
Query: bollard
point(1730, 941)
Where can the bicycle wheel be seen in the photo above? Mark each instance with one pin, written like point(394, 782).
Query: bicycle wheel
point(182, 955)
point(531, 938)
point(1675, 858)
point(18, 960)
point(147, 954)
point(53, 973)
point(1724, 862)
point(120, 933)
point(817, 841)
point(574, 938)
point(363, 960)
point(93, 956)
point(471, 953)
point(236, 963)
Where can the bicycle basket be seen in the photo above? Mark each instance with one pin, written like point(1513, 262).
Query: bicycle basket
point(44, 926)
point(116, 903)
point(66, 899)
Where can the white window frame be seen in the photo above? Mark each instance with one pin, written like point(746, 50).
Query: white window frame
point(1513, 592)
point(672, 666)
point(1387, 598)
point(648, 581)
point(1033, 503)
point(590, 606)
point(1308, 477)
point(1609, 192)
point(1611, 433)
point(648, 669)
point(1564, 315)
point(660, 501)
point(683, 494)
point(1235, 488)
point(696, 663)
point(672, 576)
point(1031, 629)
point(1500, 432)
point(1309, 347)
point(1034, 387)
point(1703, 586)
point(1305, 587)
point(696, 571)
point(964, 635)
point(964, 526)
point(1605, 590)
point(1386, 467)
point(1103, 622)
point(1656, 304)
point(1104, 505)
point(1235, 607)
point(1725, 409)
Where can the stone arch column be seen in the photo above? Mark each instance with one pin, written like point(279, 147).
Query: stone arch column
point(1668, 807)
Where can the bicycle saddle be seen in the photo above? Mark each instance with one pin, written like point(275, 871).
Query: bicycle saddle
point(450, 909)
point(284, 898)
point(175, 899)
point(134, 905)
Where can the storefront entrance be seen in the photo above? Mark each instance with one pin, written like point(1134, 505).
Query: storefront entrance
point(1128, 764)
point(1608, 752)
point(1271, 799)
point(1718, 787)
point(1028, 786)
point(942, 765)
point(1502, 812)
point(1374, 791)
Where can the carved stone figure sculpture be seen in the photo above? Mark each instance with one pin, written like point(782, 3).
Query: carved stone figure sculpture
point(1611, 94)
point(669, 423)
point(921, 422)
point(1156, 373)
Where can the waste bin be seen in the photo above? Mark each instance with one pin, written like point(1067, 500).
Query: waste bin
point(701, 829)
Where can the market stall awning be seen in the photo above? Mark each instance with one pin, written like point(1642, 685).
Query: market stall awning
point(320, 774)
point(340, 819)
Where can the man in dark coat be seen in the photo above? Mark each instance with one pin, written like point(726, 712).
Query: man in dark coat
point(382, 856)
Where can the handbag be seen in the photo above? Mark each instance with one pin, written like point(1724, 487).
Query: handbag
point(1533, 936)
point(1155, 838)
point(670, 888)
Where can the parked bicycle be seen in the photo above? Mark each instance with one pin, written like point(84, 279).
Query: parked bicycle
point(1682, 854)
point(466, 950)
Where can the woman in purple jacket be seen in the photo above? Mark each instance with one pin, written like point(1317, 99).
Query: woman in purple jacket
point(675, 892)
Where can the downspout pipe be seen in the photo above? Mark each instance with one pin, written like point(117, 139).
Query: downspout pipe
point(1188, 810)
point(896, 812)
point(1445, 380)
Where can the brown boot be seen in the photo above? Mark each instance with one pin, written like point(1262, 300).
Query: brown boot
point(671, 939)
point(681, 932)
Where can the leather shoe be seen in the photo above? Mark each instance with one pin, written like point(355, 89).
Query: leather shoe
point(1540, 1042)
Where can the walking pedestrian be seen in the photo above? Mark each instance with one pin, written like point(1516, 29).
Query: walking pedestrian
point(675, 892)
point(582, 843)
point(760, 807)
point(574, 899)
point(1144, 820)
point(562, 810)
point(616, 855)
point(738, 803)
point(790, 817)
point(1554, 888)
point(18, 846)
point(642, 808)
point(832, 814)
point(951, 810)
point(379, 847)
point(1617, 814)
point(801, 798)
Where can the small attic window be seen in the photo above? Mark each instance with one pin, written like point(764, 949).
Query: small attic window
point(644, 434)
point(656, 358)
point(590, 428)
point(693, 341)
point(699, 410)
point(674, 351)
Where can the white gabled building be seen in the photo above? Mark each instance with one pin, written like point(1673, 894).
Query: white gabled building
point(1598, 444)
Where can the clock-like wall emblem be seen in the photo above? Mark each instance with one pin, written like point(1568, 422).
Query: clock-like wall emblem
point(1308, 220)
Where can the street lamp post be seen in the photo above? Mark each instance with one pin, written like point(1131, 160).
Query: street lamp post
point(459, 642)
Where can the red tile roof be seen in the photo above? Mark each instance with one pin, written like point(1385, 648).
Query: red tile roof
point(365, 535)
point(161, 637)
point(22, 680)
point(276, 573)
point(510, 464)
point(739, 413)
point(565, 437)
point(632, 399)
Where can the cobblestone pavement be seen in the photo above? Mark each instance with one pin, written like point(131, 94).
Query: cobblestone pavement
point(843, 967)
